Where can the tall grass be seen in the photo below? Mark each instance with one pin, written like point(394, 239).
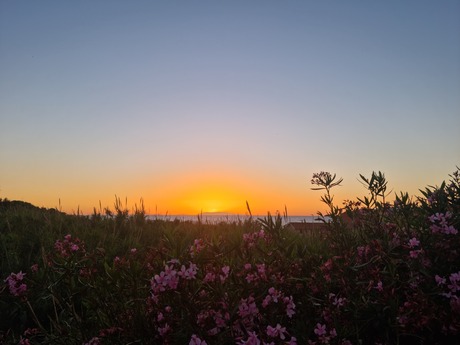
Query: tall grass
point(379, 273)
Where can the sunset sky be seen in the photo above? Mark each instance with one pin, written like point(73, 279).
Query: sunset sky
point(204, 105)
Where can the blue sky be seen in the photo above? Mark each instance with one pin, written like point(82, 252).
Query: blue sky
point(166, 100)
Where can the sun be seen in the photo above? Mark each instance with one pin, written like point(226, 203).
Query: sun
point(208, 196)
point(210, 200)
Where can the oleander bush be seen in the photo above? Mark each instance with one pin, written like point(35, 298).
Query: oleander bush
point(381, 273)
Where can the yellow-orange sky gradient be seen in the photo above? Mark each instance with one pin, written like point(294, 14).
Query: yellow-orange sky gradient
point(201, 106)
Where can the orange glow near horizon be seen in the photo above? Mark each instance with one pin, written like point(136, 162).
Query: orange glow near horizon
point(228, 192)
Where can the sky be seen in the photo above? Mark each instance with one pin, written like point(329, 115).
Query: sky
point(200, 106)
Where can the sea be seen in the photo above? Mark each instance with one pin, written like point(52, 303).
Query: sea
point(216, 218)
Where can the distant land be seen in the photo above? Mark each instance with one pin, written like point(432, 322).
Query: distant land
point(205, 217)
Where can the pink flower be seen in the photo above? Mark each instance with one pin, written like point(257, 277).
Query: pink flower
point(189, 273)
point(225, 271)
point(379, 286)
point(337, 301)
point(414, 254)
point(276, 331)
point(261, 269)
point(413, 242)
point(247, 307)
point(273, 296)
point(320, 330)
point(440, 224)
point(160, 316)
point(196, 341)
point(252, 339)
point(210, 277)
point(197, 246)
point(440, 280)
point(164, 330)
point(15, 285)
point(250, 277)
point(290, 306)
point(454, 279)
point(24, 341)
point(293, 341)
point(68, 246)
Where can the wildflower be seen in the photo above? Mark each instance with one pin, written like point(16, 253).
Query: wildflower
point(261, 269)
point(454, 279)
point(440, 224)
point(209, 277)
point(225, 270)
point(414, 254)
point(196, 341)
point(272, 296)
point(320, 330)
point(275, 294)
point(164, 330)
point(196, 247)
point(252, 339)
point(292, 341)
point(160, 316)
point(68, 246)
point(337, 301)
point(250, 277)
point(439, 280)
point(276, 331)
point(413, 242)
point(247, 307)
point(290, 306)
point(379, 286)
point(189, 273)
point(15, 285)
point(133, 251)
point(34, 268)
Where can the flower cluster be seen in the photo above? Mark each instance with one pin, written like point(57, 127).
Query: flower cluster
point(15, 284)
point(69, 246)
point(214, 320)
point(324, 335)
point(274, 296)
point(250, 239)
point(197, 246)
point(255, 273)
point(452, 289)
point(414, 245)
point(169, 278)
point(440, 224)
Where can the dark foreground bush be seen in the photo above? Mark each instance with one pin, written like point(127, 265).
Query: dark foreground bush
point(383, 274)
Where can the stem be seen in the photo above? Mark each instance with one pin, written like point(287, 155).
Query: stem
point(35, 316)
